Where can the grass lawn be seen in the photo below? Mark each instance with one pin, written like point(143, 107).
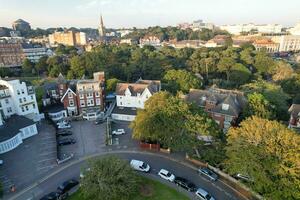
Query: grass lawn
point(150, 189)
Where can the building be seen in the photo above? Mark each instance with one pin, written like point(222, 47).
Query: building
point(266, 45)
point(295, 30)
point(288, 42)
point(11, 54)
point(132, 96)
point(237, 29)
point(18, 113)
point(21, 25)
point(19, 98)
point(217, 41)
point(200, 25)
point(187, 44)
point(124, 32)
point(129, 41)
point(35, 52)
point(150, 40)
point(294, 111)
point(68, 38)
point(224, 106)
point(102, 30)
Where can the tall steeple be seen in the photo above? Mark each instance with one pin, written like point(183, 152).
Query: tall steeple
point(102, 31)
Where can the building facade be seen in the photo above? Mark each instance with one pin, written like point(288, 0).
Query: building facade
point(150, 40)
point(69, 38)
point(11, 55)
point(34, 52)
point(237, 29)
point(132, 96)
point(267, 45)
point(289, 43)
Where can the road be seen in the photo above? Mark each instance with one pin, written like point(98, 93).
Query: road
point(218, 189)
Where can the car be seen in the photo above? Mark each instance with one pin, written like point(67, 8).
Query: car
point(139, 166)
point(118, 132)
point(165, 174)
point(81, 175)
point(208, 173)
point(51, 196)
point(63, 126)
point(202, 194)
point(243, 177)
point(67, 186)
point(66, 141)
point(186, 184)
point(99, 121)
point(64, 133)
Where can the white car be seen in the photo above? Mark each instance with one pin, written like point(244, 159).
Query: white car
point(165, 174)
point(63, 126)
point(202, 194)
point(118, 132)
point(139, 166)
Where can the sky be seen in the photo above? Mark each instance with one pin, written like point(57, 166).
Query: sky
point(144, 13)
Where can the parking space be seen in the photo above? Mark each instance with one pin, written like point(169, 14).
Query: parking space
point(31, 160)
point(90, 139)
point(123, 141)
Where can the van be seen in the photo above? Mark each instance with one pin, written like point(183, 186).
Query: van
point(139, 166)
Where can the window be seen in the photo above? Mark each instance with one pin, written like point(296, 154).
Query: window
point(82, 103)
point(121, 103)
point(26, 108)
point(6, 101)
point(22, 91)
point(90, 102)
point(18, 92)
point(97, 94)
point(23, 109)
point(24, 99)
point(70, 95)
point(33, 105)
point(81, 96)
point(71, 102)
point(31, 97)
point(61, 86)
point(98, 102)
point(9, 110)
point(89, 95)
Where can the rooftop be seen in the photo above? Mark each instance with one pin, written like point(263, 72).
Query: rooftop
point(124, 111)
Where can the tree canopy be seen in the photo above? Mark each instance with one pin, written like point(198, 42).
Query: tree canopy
point(267, 152)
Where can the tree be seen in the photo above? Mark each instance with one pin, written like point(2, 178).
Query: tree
point(258, 106)
point(263, 63)
point(226, 66)
point(291, 85)
point(77, 66)
point(239, 74)
point(282, 71)
point(182, 79)
point(56, 65)
point(41, 65)
point(247, 56)
point(268, 152)
point(28, 67)
point(111, 84)
point(110, 178)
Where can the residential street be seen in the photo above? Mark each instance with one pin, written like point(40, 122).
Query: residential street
point(217, 189)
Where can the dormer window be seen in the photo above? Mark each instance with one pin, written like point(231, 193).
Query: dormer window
point(225, 106)
point(203, 98)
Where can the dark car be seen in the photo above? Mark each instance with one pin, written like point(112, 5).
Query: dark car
point(186, 184)
point(64, 133)
point(66, 141)
point(99, 121)
point(67, 186)
point(207, 172)
point(51, 196)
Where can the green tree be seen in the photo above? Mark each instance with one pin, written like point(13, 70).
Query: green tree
point(291, 85)
point(282, 71)
point(226, 65)
point(240, 74)
point(41, 65)
point(263, 63)
point(268, 152)
point(111, 84)
point(77, 66)
point(110, 178)
point(258, 106)
point(247, 56)
point(28, 67)
point(183, 79)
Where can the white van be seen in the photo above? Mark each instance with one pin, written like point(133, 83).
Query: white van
point(139, 166)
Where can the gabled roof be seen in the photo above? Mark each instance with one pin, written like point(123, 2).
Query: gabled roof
point(61, 79)
point(294, 110)
point(138, 87)
point(68, 90)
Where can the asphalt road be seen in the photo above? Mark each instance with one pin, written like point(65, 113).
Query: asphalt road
point(218, 189)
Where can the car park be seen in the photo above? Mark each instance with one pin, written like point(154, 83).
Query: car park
point(66, 141)
point(208, 173)
point(139, 166)
point(118, 132)
point(184, 183)
point(67, 186)
point(51, 196)
point(165, 174)
point(64, 132)
point(203, 195)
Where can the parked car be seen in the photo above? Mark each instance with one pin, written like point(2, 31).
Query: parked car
point(81, 175)
point(99, 121)
point(202, 194)
point(118, 132)
point(63, 132)
point(66, 141)
point(51, 196)
point(165, 174)
point(184, 183)
point(210, 174)
point(244, 177)
point(63, 126)
point(139, 166)
point(67, 186)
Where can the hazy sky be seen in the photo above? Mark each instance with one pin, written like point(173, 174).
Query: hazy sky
point(142, 13)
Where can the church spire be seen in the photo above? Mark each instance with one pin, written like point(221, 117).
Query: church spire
point(102, 32)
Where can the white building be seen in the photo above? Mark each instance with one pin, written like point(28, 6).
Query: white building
point(295, 30)
point(288, 42)
point(237, 29)
point(132, 96)
point(18, 98)
point(150, 40)
point(34, 53)
point(199, 25)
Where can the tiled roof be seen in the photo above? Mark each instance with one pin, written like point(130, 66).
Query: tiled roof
point(138, 87)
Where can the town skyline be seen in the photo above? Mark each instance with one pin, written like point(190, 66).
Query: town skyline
point(141, 14)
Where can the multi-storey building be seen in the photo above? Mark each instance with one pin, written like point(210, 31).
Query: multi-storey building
point(132, 96)
point(21, 25)
point(295, 30)
point(69, 38)
point(11, 54)
point(266, 45)
point(34, 52)
point(237, 29)
point(150, 40)
point(288, 42)
point(224, 106)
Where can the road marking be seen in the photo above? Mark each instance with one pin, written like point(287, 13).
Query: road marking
point(46, 159)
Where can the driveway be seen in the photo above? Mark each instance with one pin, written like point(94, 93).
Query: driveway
point(31, 160)
point(90, 139)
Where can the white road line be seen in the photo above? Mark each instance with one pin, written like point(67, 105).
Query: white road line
point(47, 153)
point(46, 160)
